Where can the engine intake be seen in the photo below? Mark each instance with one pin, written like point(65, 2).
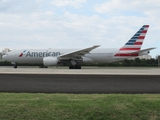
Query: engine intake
point(50, 61)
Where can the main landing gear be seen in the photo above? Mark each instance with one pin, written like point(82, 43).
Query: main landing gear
point(15, 66)
point(75, 67)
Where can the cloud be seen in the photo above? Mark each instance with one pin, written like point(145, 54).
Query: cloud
point(73, 3)
point(114, 7)
point(18, 6)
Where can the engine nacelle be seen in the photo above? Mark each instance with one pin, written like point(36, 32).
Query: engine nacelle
point(50, 61)
point(86, 59)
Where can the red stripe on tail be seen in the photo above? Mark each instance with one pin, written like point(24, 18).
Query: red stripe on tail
point(141, 37)
point(144, 31)
point(138, 43)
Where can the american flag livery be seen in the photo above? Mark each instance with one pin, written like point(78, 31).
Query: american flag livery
point(134, 44)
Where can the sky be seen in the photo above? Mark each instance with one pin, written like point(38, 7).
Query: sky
point(46, 24)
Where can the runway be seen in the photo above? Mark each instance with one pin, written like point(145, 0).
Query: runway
point(79, 83)
point(84, 70)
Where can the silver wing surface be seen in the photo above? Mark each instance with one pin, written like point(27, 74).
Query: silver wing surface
point(77, 54)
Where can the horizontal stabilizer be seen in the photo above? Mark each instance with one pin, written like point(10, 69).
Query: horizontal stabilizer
point(141, 51)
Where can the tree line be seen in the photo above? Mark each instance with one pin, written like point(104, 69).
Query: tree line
point(135, 62)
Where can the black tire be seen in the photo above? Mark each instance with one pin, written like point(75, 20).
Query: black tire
point(75, 67)
point(79, 67)
point(15, 66)
point(70, 67)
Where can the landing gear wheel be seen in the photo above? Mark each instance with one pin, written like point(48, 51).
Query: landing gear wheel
point(75, 67)
point(70, 67)
point(15, 66)
point(79, 67)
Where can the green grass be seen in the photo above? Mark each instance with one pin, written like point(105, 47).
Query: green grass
point(79, 106)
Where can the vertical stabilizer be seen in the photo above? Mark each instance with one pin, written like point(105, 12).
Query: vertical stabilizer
point(134, 44)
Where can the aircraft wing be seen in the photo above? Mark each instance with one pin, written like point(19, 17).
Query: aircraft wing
point(141, 51)
point(77, 54)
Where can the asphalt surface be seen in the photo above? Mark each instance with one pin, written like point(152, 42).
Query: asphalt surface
point(63, 83)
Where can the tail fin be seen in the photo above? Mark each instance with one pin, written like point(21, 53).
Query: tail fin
point(134, 44)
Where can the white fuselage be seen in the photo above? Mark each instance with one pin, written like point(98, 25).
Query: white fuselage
point(102, 55)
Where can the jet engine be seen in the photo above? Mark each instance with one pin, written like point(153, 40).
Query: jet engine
point(86, 59)
point(50, 61)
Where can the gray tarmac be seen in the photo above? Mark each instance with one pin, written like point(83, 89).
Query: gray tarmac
point(84, 70)
point(87, 80)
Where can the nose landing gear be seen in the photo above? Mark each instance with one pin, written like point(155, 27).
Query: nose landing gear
point(14, 65)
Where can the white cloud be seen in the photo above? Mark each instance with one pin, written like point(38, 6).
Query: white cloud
point(113, 7)
point(17, 6)
point(108, 7)
point(73, 3)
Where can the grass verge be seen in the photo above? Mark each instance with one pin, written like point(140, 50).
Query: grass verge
point(79, 106)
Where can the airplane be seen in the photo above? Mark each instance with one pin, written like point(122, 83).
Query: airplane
point(74, 58)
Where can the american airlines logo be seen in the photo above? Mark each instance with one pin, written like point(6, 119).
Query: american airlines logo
point(22, 53)
point(39, 54)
